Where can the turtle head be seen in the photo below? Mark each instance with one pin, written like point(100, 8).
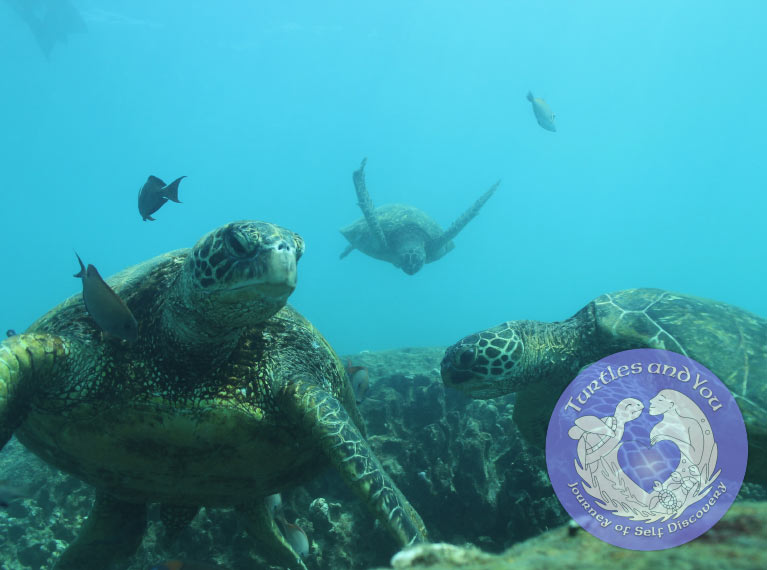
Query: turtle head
point(239, 274)
point(489, 363)
point(412, 260)
point(517, 355)
point(411, 252)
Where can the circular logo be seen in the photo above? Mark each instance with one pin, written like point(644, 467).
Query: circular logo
point(646, 449)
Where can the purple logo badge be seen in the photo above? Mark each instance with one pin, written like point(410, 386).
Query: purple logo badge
point(646, 449)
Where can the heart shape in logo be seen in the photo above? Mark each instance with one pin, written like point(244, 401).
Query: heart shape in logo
point(644, 464)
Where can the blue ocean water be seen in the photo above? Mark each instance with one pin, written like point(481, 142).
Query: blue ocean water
point(653, 178)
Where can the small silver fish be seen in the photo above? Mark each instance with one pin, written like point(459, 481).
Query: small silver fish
point(102, 303)
point(154, 193)
point(360, 379)
point(296, 537)
point(543, 113)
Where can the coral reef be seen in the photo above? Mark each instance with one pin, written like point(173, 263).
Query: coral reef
point(461, 462)
point(738, 541)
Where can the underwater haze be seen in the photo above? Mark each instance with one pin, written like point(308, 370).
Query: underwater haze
point(653, 178)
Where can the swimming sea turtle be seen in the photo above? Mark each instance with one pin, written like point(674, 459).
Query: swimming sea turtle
point(538, 360)
point(403, 235)
point(228, 395)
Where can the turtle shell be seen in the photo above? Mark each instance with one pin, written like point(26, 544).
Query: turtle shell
point(396, 221)
point(730, 341)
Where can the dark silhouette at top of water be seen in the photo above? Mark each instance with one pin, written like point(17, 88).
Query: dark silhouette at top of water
point(50, 21)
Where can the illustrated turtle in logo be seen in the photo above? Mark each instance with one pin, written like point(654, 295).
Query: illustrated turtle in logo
point(599, 437)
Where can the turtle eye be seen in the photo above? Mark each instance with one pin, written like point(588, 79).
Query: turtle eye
point(464, 357)
point(238, 244)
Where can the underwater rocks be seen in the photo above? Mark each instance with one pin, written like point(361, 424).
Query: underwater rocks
point(440, 554)
point(37, 527)
point(737, 542)
point(461, 462)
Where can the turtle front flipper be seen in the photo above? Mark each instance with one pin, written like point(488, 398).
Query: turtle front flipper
point(328, 423)
point(262, 527)
point(368, 210)
point(113, 532)
point(534, 407)
point(437, 244)
point(26, 362)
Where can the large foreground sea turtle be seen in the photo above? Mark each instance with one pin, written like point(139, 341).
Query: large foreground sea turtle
point(538, 360)
point(403, 235)
point(227, 396)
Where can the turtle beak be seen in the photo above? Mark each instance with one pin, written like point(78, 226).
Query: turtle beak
point(280, 275)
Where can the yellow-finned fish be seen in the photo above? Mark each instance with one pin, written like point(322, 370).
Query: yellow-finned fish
point(107, 309)
point(543, 113)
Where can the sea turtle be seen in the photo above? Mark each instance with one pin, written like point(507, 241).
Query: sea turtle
point(537, 360)
point(227, 396)
point(403, 235)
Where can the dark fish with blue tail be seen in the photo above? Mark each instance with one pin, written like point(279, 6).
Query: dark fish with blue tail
point(103, 304)
point(51, 22)
point(154, 193)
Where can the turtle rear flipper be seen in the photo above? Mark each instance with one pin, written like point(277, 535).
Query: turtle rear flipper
point(328, 423)
point(26, 361)
point(349, 248)
point(366, 205)
point(112, 532)
point(435, 245)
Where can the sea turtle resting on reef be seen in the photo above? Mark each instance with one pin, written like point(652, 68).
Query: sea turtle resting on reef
point(538, 360)
point(403, 235)
point(227, 396)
